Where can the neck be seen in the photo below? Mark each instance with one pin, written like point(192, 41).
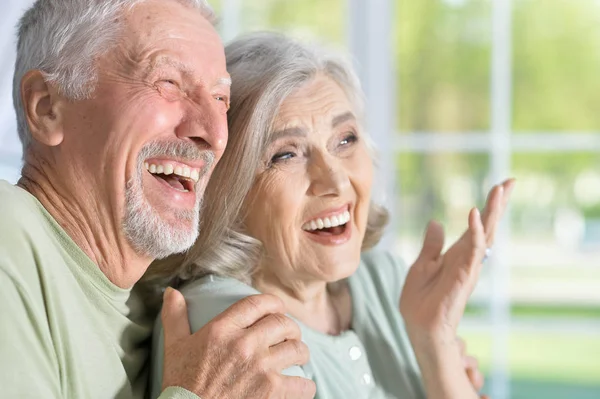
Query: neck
point(312, 302)
point(94, 230)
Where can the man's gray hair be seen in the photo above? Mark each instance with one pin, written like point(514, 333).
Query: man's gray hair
point(265, 68)
point(62, 38)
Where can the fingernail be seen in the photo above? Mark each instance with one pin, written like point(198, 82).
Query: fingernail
point(167, 292)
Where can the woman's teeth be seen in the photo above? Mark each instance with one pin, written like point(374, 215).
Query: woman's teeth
point(325, 223)
point(169, 169)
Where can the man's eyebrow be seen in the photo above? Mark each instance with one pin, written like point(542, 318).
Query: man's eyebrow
point(338, 120)
point(183, 68)
point(224, 81)
point(161, 61)
point(292, 131)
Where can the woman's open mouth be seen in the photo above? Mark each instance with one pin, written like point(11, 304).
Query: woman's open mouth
point(330, 230)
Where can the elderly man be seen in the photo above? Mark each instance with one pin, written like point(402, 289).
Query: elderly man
point(121, 108)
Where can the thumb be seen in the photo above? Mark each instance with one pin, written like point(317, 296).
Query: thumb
point(433, 243)
point(174, 317)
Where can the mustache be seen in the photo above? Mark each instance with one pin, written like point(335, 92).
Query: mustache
point(177, 149)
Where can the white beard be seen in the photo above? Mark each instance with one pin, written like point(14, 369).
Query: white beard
point(146, 231)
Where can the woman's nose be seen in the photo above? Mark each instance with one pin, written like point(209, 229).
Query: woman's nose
point(328, 179)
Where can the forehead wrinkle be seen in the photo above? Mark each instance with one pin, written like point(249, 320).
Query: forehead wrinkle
point(287, 132)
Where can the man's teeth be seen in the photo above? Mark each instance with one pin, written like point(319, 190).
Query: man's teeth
point(324, 223)
point(169, 169)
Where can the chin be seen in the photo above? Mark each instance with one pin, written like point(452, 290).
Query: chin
point(338, 270)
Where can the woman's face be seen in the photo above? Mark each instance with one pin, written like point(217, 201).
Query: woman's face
point(309, 203)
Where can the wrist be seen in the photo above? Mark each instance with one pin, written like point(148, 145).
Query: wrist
point(433, 340)
point(442, 368)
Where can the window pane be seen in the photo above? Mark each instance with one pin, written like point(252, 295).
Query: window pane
point(544, 362)
point(309, 19)
point(556, 63)
point(556, 230)
point(437, 186)
point(555, 275)
point(554, 250)
point(442, 52)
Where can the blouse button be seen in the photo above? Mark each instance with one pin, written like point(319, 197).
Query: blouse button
point(366, 379)
point(355, 353)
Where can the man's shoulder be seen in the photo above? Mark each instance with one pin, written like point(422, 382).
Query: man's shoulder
point(18, 208)
point(23, 234)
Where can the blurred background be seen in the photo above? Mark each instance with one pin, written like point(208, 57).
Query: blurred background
point(462, 94)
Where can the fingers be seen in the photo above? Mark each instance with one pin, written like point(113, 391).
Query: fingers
point(492, 213)
point(274, 329)
point(433, 243)
point(508, 185)
point(299, 388)
point(289, 353)
point(471, 365)
point(249, 310)
point(496, 205)
point(478, 237)
point(174, 317)
point(473, 373)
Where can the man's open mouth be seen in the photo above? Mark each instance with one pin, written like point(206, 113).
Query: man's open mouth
point(181, 178)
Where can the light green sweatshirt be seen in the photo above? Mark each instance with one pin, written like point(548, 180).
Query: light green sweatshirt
point(66, 332)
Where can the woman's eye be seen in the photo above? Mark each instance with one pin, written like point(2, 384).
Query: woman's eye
point(282, 156)
point(349, 139)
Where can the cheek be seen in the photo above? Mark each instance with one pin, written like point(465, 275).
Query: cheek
point(276, 209)
point(362, 172)
point(362, 181)
point(148, 115)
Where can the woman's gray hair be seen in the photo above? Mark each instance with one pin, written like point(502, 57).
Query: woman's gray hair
point(265, 69)
point(62, 38)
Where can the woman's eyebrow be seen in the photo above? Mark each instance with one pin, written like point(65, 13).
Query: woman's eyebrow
point(345, 117)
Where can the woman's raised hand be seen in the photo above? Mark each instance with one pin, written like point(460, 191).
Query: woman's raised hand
point(438, 285)
point(436, 291)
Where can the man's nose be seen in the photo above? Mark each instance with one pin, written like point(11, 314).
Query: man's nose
point(205, 123)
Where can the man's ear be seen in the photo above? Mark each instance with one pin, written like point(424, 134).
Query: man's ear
point(41, 104)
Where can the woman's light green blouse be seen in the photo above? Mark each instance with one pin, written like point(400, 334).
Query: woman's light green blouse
point(372, 360)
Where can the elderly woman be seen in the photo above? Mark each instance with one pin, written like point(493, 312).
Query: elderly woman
point(289, 212)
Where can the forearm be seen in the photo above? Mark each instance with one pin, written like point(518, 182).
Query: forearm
point(442, 370)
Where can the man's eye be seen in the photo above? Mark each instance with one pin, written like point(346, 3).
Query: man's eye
point(169, 89)
point(224, 100)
